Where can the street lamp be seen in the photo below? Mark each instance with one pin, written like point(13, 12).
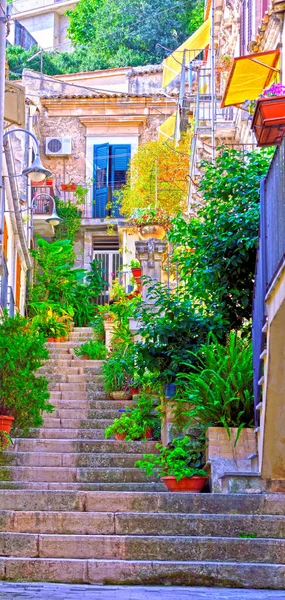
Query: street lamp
point(53, 219)
point(36, 172)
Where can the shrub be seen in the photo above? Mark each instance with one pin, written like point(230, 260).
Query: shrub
point(136, 421)
point(220, 387)
point(94, 349)
point(23, 394)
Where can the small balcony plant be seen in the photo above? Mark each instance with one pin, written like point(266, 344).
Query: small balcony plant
point(268, 121)
point(150, 222)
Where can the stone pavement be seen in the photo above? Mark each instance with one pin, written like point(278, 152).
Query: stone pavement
point(46, 591)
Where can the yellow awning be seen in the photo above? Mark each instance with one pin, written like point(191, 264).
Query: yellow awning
point(172, 65)
point(167, 129)
point(249, 76)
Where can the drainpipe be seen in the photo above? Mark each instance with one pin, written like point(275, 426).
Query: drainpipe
point(3, 25)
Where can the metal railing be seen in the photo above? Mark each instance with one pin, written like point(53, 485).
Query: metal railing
point(11, 302)
point(41, 204)
point(4, 284)
point(271, 253)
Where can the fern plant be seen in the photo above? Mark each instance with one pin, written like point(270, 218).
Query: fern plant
point(94, 349)
point(219, 389)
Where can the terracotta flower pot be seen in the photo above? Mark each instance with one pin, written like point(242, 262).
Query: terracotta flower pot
point(57, 340)
point(186, 484)
point(68, 187)
point(50, 340)
point(6, 423)
point(268, 122)
point(152, 231)
point(137, 272)
point(85, 357)
point(120, 437)
point(121, 395)
point(48, 182)
point(148, 433)
point(135, 391)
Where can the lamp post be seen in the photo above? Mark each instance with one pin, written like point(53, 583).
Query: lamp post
point(53, 219)
point(36, 172)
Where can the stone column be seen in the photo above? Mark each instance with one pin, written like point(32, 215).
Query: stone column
point(151, 254)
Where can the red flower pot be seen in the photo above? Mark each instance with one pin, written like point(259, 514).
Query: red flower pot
point(6, 423)
point(68, 187)
point(137, 272)
point(50, 339)
point(120, 437)
point(186, 484)
point(148, 433)
point(48, 182)
point(268, 122)
point(135, 391)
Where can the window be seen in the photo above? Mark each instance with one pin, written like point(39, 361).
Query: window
point(110, 171)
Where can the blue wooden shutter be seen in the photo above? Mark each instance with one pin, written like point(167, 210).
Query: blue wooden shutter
point(101, 180)
point(120, 158)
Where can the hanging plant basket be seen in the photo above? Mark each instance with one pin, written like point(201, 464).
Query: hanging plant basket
point(68, 187)
point(152, 231)
point(268, 121)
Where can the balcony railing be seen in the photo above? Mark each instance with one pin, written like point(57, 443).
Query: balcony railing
point(11, 302)
point(4, 285)
point(271, 253)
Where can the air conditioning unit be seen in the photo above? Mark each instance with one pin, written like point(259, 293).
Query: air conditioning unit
point(58, 146)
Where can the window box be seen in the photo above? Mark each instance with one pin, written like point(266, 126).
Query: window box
point(68, 187)
point(268, 121)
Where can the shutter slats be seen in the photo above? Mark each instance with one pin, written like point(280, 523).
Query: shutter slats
point(101, 180)
point(120, 158)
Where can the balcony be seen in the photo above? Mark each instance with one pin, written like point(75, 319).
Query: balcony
point(42, 208)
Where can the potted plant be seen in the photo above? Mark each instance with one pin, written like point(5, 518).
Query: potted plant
point(92, 350)
point(49, 182)
point(180, 464)
point(23, 393)
point(150, 222)
point(268, 121)
point(138, 423)
point(117, 372)
point(68, 187)
point(136, 268)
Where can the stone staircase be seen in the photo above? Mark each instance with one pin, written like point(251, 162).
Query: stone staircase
point(73, 509)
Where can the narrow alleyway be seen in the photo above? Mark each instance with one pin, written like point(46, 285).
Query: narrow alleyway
point(73, 509)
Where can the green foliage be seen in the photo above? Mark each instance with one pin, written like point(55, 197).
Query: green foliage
point(216, 251)
point(5, 440)
point(57, 281)
point(136, 421)
point(71, 216)
point(219, 388)
point(94, 349)
point(51, 319)
point(126, 32)
point(171, 327)
point(118, 370)
point(23, 394)
point(182, 457)
point(244, 535)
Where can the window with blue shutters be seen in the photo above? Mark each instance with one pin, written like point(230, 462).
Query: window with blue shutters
point(111, 163)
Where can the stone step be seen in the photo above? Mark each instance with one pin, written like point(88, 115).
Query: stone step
point(74, 475)
point(80, 423)
point(50, 371)
point(110, 404)
point(145, 572)
point(95, 523)
point(75, 486)
point(69, 387)
point(68, 413)
point(78, 363)
point(105, 414)
point(67, 434)
point(49, 459)
point(208, 504)
point(133, 548)
point(83, 446)
point(69, 404)
point(70, 379)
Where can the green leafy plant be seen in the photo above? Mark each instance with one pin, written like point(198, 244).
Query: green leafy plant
point(93, 349)
point(182, 457)
point(135, 422)
point(117, 371)
point(135, 264)
point(215, 252)
point(243, 535)
point(69, 227)
point(219, 386)
point(5, 440)
point(23, 394)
